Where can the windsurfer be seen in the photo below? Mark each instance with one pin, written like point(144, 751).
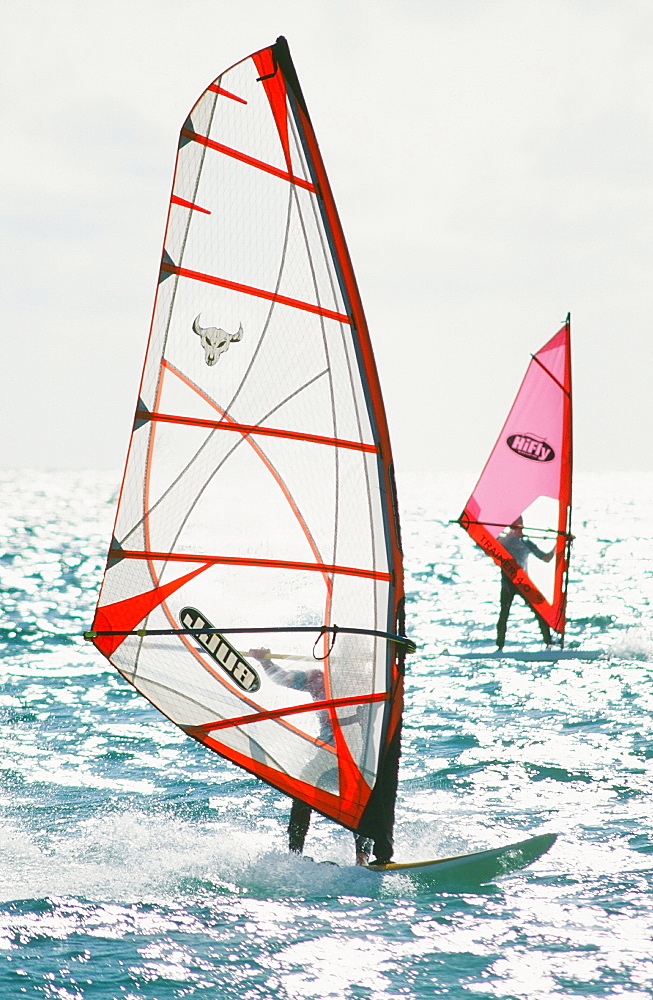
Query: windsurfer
point(311, 681)
point(519, 548)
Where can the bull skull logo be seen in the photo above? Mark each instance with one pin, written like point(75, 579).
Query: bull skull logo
point(215, 341)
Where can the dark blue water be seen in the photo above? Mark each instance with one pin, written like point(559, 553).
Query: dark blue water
point(135, 864)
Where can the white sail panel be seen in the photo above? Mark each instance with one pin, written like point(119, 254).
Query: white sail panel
point(258, 488)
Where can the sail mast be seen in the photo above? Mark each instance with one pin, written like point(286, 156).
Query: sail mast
point(566, 484)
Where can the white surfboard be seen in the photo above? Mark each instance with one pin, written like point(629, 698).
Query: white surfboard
point(479, 867)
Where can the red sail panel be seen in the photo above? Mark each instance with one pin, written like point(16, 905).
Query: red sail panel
point(258, 490)
point(528, 475)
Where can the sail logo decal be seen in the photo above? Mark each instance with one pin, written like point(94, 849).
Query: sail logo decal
point(214, 340)
point(221, 651)
point(531, 447)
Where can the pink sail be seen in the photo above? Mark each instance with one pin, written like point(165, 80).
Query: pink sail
point(528, 475)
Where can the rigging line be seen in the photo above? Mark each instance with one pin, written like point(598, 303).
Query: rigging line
point(269, 757)
point(362, 346)
point(336, 455)
point(343, 329)
point(276, 713)
point(299, 149)
point(325, 344)
point(334, 271)
point(268, 318)
point(130, 675)
point(330, 230)
point(329, 645)
point(332, 278)
point(544, 368)
point(316, 289)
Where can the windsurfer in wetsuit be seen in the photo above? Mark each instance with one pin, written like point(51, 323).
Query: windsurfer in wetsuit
point(519, 548)
point(311, 681)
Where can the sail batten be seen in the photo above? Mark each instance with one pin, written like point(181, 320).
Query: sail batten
point(526, 483)
point(210, 727)
point(249, 160)
point(216, 89)
point(258, 487)
point(246, 429)
point(262, 293)
point(195, 557)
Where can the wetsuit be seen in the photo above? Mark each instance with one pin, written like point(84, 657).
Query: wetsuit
point(519, 548)
point(311, 681)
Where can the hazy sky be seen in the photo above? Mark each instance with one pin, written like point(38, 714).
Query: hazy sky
point(492, 161)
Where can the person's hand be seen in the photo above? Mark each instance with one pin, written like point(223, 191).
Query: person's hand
point(260, 654)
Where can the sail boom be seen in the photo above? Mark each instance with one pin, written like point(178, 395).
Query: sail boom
point(400, 640)
point(465, 521)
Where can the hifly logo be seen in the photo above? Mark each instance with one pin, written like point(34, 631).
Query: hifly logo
point(531, 447)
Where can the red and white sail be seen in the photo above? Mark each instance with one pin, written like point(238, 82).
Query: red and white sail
point(258, 491)
point(528, 475)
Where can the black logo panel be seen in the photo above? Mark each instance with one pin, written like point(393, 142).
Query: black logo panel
point(531, 447)
point(221, 650)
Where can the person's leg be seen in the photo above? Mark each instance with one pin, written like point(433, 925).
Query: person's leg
point(544, 629)
point(508, 591)
point(378, 819)
point(300, 818)
point(383, 849)
point(363, 849)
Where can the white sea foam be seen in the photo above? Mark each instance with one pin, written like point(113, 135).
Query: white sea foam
point(635, 644)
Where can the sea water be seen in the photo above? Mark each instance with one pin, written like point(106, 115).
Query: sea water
point(136, 864)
